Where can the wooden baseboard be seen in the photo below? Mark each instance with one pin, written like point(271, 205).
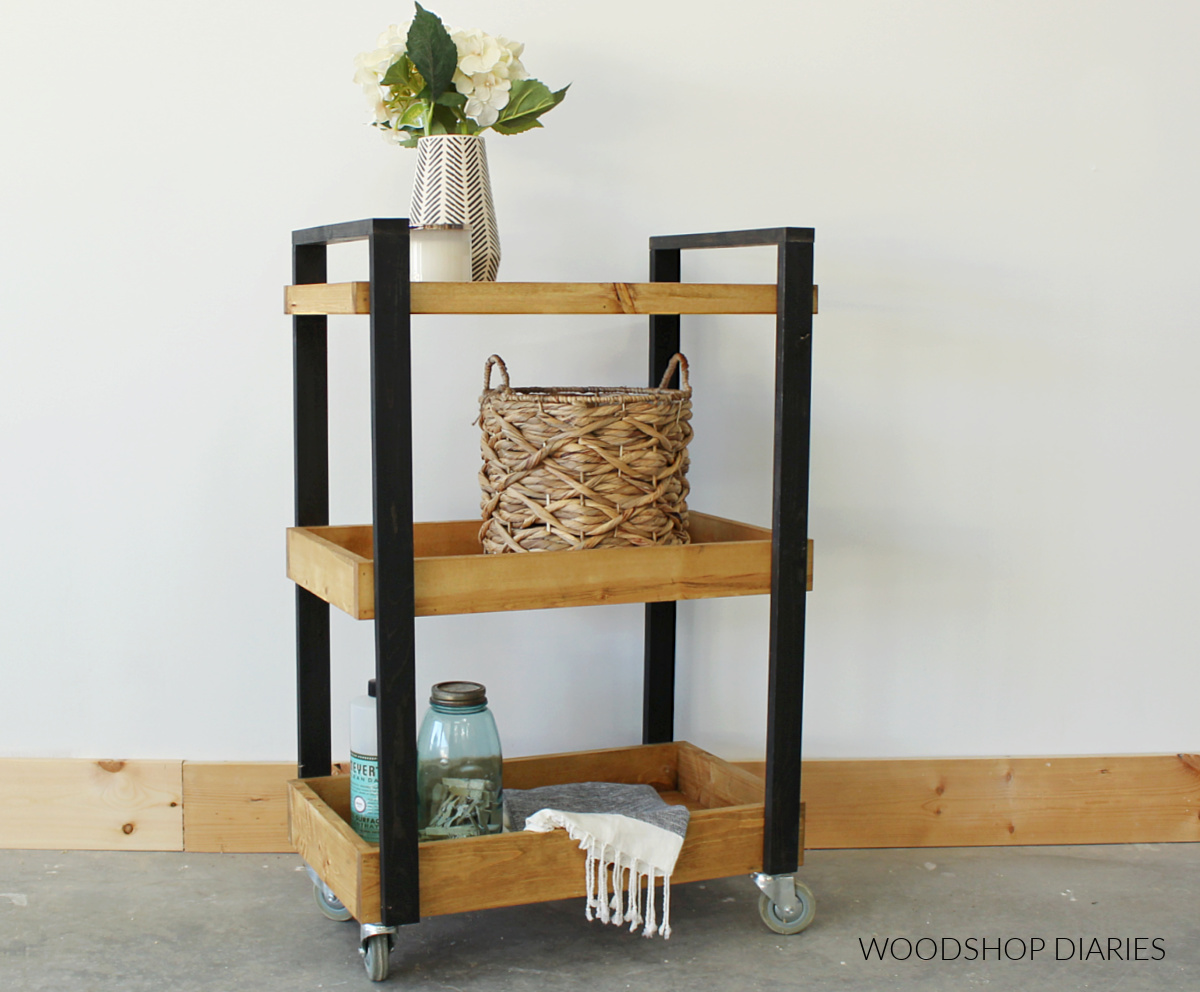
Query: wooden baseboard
point(977, 802)
point(82, 805)
point(926, 802)
point(232, 807)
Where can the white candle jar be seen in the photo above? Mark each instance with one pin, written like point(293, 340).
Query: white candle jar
point(439, 253)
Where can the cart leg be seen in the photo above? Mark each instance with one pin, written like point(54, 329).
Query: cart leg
point(375, 945)
point(786, 905)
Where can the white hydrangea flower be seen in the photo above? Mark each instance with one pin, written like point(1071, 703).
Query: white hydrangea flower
point(370, 67)
point(489, 95)
point(510, 57)
point(486, 69)
point(373, 65)
point(477, 52)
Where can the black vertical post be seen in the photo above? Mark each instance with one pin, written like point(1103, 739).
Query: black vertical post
point(310, 416)
point(395, 650)
point(658, 666)
point(789, 521)
point(789, 555)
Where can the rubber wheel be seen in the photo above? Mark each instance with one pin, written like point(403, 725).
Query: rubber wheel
point(330, 907)
point(792, 923)
point(376, 953)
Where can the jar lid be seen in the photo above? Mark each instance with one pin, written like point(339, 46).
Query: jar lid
point(458, 694)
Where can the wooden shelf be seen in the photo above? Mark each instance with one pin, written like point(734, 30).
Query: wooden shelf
point(453, 575)
point(724, 837)
point(543, 297)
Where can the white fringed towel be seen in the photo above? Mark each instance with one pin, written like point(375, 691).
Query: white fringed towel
point(629, 834)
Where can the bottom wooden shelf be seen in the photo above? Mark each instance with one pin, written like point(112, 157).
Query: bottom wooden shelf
point(724, 836)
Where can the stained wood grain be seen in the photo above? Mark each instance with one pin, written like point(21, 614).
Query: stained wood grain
point(544, 297)
point(327, 298)
point(334, 563)
point(647, 764)
point(514, 868)
point(452, 575)
point(319, 813)
point(715, 783)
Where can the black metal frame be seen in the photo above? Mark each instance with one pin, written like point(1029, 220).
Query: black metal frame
point(392, 485)
point(391, 482)
point(789, 527)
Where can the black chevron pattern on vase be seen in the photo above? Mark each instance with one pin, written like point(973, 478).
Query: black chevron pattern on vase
point(452, 186)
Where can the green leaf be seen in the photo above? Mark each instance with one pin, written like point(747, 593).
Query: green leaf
point(446, 117)
point(527, 101)
point(452, 98)
point(432, 51)
point(414, 116)
point(403, 77)
point(517, 124)
point(527, 96)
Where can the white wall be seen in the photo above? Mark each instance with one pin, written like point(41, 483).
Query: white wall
point(1004, 482)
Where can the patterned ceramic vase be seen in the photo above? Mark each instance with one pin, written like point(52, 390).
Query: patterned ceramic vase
point(452, 187)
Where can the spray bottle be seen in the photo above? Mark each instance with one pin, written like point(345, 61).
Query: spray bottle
point(364, 766)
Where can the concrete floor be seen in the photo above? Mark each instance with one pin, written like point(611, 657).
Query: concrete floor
point(186, 922)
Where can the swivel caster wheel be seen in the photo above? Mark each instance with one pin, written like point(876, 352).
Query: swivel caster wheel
point(784, 915)
point(329, 904)
point(376, 950)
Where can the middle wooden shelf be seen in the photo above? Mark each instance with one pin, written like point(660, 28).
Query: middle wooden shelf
point(452, 574)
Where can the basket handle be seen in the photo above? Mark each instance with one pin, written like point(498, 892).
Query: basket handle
point(676, 360)
point(487, 373)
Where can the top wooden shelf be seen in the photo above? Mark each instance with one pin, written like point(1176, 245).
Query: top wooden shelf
point(543, 297)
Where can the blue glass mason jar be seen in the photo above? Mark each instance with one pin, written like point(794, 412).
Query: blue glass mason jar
point(458, 765)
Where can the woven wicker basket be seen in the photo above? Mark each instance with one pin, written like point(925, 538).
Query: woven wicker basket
point(587, 467)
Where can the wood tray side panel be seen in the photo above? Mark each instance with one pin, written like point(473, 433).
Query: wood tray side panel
point(453, 576)
point(327, 298)
point(721, 842)
point(319, 560)
point(648, 764)
point(598, 297)
point(496, 583)
point(704, 528)
point(545, 297)
point(445, 538)
point(432, 539)
point(346, 863)
point(517, 868)
point(502, 870)
point(712, 782)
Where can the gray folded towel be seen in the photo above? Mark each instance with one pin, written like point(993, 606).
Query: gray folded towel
point(623, 828)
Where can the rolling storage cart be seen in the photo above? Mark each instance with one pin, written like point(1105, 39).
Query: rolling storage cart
point(396, 570)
